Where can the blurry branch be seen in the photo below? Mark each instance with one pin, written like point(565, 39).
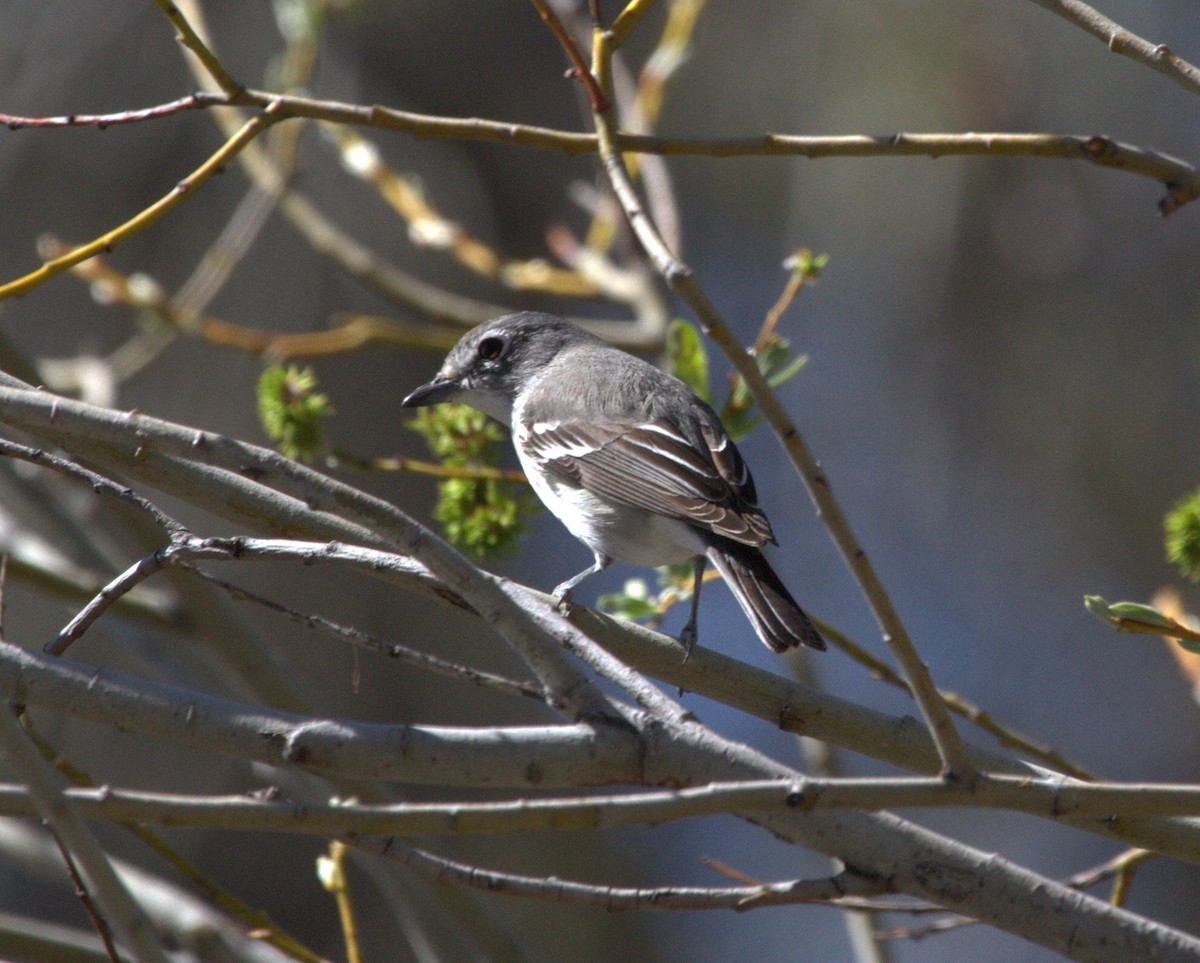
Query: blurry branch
point(331, 871)
point(144, 293)
point(120, 912)
point(341, 459)
point(617, 898)
point(1127, 44)
point(956, 763)
point(429, 228)
point(363, 264)
point(25, 938)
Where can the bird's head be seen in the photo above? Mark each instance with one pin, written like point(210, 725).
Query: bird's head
point(491, 363)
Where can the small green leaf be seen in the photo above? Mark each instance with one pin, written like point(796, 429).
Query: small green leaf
point(1182, 528)
point(482, 516)
point(634, 603)
point(787, 372)
point(1137, 612)
point(806, 265)
point(686, 358)
point(291, 410)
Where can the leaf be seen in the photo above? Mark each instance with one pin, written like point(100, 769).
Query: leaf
point(634, 603)
point(1182, 529)
point(292, 411)
point(686, 358)
point(1136, 617)
point(806, 265)
point(483, 516)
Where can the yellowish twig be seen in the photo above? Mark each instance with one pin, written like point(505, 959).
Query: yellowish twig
point(627, 19)
point(415, 466)
point(331, 870)
point(199, 49)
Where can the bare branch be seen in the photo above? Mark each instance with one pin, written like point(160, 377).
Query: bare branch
point(617, 898)
point(1121, 41)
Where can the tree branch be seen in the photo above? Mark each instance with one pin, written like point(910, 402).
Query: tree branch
point(618, 898)
point(1121, 41)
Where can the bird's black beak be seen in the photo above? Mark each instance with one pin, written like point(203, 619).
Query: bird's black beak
point(434, 393)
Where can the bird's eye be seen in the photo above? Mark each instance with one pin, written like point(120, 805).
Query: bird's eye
point(490, 348)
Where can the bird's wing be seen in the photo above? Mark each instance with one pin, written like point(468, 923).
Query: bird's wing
point(656, 467)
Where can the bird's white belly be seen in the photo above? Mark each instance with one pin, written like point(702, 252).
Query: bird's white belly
point(622, 532)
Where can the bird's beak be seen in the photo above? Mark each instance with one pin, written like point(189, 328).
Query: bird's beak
point(434, 393)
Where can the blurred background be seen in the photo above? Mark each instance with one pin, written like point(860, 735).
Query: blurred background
point(1002, 389)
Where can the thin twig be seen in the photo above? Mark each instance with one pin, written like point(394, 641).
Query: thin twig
point(100, 121)
point(617, 898)
point(332, 871)
point(99, 923)
point(1004, 734)
point(369, 643)
point(98, 483)
point(579, 67)
point(190, 39)
point(1121, 41)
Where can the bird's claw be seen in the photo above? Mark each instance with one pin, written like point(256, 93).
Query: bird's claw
point(688, 638)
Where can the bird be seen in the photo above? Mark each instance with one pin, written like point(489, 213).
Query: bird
point(628, 457)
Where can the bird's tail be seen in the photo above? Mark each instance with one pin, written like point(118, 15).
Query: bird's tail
point(776, 617)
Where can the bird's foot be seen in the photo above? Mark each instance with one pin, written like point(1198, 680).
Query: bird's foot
point(688, 638)
point(562, 600)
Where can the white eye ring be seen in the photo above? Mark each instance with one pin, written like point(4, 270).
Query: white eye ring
point(491, 348)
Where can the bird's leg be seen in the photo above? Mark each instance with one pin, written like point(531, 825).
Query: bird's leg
point(562, 594)
point(688, 635)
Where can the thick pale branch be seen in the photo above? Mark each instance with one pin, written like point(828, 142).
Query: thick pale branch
point(1049, 799)
point(530, 756)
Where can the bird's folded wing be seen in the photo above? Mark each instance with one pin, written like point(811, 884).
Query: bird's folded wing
point(655, 467)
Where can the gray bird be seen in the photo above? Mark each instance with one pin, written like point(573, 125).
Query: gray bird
point(635, 465)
